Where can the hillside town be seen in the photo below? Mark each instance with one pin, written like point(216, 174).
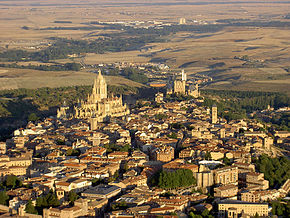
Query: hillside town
point(159, 158)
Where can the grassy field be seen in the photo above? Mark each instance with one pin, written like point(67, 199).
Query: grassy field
point(32, 79)
point(196, 53)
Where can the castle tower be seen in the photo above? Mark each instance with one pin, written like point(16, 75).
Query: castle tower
point(99, 89)
point(214, 114)
point(183, 76)
point(179, 86)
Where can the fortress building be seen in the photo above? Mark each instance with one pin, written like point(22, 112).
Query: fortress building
point(99, 107)
point(180, 86)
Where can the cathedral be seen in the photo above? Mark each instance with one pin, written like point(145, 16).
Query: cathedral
point(99, 107)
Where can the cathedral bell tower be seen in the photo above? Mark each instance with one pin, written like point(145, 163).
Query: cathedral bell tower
point(99, 88)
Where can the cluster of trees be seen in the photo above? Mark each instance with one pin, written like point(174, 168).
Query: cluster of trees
point(4, 198)
point(276, 170)
point(113, 147)
point(160, 116)
point(8, 183)
point(204, 214)
point(248, 22)
point(236, 104)
point(134, 74)
point(172, 135)
point(176, 179)
point(54, 67)
point(122, 205)
point(19, 103)
point(176, 126)
point(179, 97)
point(46, 201)
point(262, 24)
point(72, 197)
point(281, 121)
point(49, 200)
point(97, 181)
point(30, 208)
point(73, 152)
point(61, 48)
point(280, 208)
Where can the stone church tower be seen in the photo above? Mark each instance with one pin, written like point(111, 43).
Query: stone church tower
point(99, 89)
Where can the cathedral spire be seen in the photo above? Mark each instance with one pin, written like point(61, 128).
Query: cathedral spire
point(99, 91)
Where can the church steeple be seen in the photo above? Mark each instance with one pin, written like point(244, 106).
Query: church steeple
point(99, 91)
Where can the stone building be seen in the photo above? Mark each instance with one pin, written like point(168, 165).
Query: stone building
point(62, 112)
point(226, 191)
point(3, 147)
point(193, 91)
point(159, 97)
point(204, 178)
point(180, 86)
point(260, 195)
point(226, 175)
point(256, 181)
point(99, 107)
point(214, 114)
point(233, 209)
point(80, 209)
point(268, 143)
point(163, 153)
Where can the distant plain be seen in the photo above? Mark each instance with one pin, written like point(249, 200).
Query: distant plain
point(194, 52)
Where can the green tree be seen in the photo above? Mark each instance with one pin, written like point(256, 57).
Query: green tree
point(33, 117)
point(226, 161)
point(4, 198)
point(96, 181)
point(73, 152)
point(72, 196)
point(12, 182)
point(122, 205)
point(172, 135)
point(276, 170)
point(46, 201)
point(52, 200)
point(30, 208)
point(176, 179)
point(207, 156)
point(114, 177)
